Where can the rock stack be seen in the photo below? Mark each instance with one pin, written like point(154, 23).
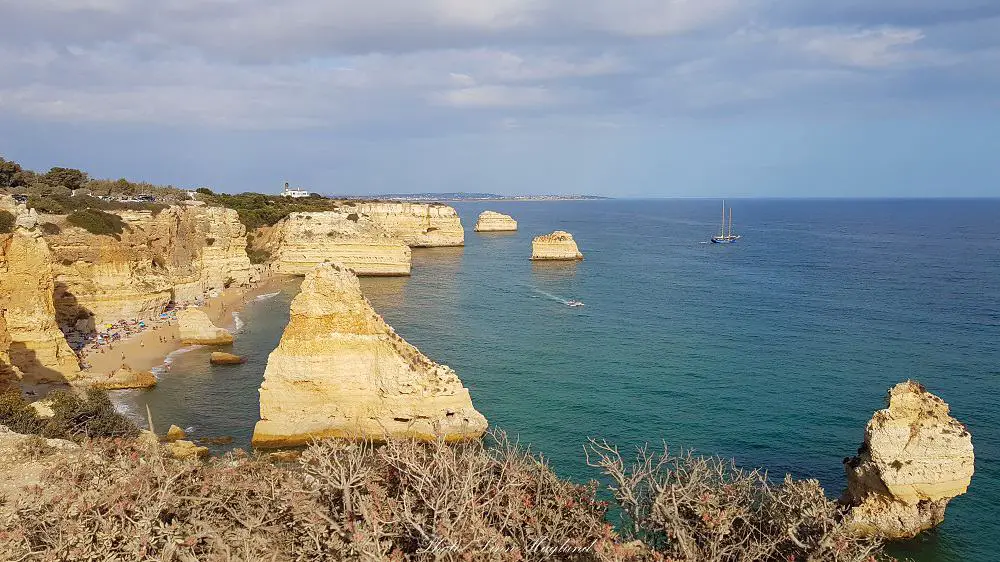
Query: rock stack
point(914, 460)
point(196, 328)
point(556, 246)
point(490, 221)
point(341, 371)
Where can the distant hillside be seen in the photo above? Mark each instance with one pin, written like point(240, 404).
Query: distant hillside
point(466, 196)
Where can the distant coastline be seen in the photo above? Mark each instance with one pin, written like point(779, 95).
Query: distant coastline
point(463, 196)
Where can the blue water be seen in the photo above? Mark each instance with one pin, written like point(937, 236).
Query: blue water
point(774, 351)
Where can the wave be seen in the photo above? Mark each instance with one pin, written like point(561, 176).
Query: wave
point(237, 322)
point(267, 296)
point(165, 366)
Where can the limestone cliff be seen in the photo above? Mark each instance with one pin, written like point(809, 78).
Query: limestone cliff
point(490, 221)
point(176, 254)
point(341, 371)
point(420, 225)
point(196, 328)
point(556, 246)
point(915, 458)
point(34, 345)
point(302, 241)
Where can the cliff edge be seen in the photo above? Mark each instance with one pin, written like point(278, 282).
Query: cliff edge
point(341, 371)
point(420, 225)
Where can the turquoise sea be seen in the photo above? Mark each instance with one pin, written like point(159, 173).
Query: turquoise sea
point(774, 351)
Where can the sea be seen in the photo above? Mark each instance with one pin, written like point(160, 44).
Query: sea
point(774, 351)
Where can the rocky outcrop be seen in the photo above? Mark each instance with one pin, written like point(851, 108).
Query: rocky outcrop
point(183, 450)
point(420, 225)
point(341, 371)
point(302, 241)
point(914, 460)
point(490, 221)
point(122, 378)
point(195, 328)
point(175, 433)
point(556, 246)
point(31, 345)
point(176, 254)
point(220, 358)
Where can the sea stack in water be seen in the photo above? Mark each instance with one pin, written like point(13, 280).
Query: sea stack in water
point(221, 358)
point(556, 246)
point(491, 221)
point(915, 458)
point(196, 328)
point(341, 371)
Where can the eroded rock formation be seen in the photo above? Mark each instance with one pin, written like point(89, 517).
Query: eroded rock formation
point(196, 328)
point(914, 460)
point(222, 358)
point(124, 377)
point(302, 241)
point(556, 246)
point(341, 371)
point(178, 253)
point(31, 345)
point(491, 221)
point(419, 225)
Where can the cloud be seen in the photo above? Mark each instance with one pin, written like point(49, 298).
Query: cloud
point(438, 66)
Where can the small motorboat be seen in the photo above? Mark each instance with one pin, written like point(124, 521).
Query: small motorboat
point(574, 303)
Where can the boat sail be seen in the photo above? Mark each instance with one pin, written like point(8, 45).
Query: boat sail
point(725, 237)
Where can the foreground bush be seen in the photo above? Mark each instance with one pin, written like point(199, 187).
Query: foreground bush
point(698, 508)
point(75, 417)
point(119, 500)
point(7, 222)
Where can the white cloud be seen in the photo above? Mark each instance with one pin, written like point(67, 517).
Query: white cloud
point(497, 97)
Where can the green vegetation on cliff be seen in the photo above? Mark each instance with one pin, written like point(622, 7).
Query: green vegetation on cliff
point(257, 210)
point(97, 222)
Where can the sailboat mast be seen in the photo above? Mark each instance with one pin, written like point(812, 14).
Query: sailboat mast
point(730, 222)
point(722, 229)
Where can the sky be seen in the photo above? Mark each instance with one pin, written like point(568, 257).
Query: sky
point(633, 98)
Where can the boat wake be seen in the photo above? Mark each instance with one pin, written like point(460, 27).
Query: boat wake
point(259, 298)
point(567, 302)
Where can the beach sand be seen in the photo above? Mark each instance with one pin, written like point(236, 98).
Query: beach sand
point(144, 351)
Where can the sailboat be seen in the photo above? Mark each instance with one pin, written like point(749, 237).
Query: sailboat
point(726, 237)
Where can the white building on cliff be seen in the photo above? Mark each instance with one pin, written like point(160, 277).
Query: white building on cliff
point(288, 192)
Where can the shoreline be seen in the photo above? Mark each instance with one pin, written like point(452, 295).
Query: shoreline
point(146, 351)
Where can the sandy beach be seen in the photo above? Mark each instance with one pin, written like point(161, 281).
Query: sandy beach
point(149, 348)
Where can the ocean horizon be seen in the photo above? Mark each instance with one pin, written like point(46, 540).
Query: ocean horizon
point(774, 351)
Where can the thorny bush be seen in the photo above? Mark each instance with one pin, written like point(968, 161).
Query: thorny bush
point(404, 500)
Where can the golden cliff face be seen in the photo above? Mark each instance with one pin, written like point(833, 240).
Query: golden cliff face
point(915, 458)
point(341, 371)
point(31, 343)
point(491, 221)
point(302, 241)
point(556, 246)
point(420, 225)
point(176, 254)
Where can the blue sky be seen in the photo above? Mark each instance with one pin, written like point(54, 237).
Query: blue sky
point(616, 97)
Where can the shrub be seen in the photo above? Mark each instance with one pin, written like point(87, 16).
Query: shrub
point(695, 508)
point(91, 416)
point(7, 221)
point(97, 222)
point(353, 217)
point(209, 241)
point(50, 228)
point(16, 414)
point(46, 204)
point(343, 502)
point(204, 191)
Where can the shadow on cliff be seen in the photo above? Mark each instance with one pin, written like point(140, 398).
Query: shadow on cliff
point(71, 316)
point(35, 372)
